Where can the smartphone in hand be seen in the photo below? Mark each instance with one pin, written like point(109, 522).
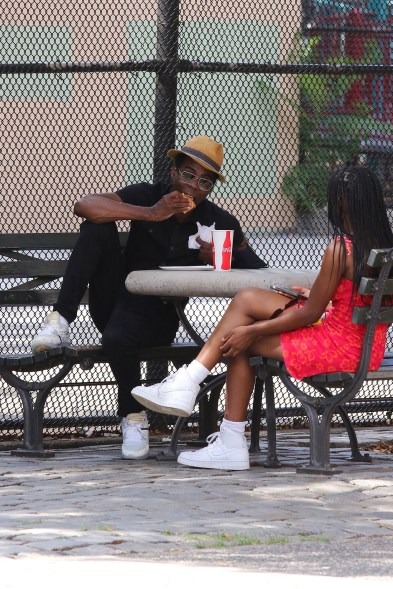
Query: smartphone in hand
point(287, 292)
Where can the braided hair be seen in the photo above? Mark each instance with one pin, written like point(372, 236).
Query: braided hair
point(356, 209)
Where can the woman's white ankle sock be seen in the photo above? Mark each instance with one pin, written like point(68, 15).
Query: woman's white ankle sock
point(197, 372)
point(235, 426)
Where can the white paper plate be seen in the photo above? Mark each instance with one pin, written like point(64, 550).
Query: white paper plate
point(186, 267)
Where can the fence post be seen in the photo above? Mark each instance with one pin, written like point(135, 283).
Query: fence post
point(166, 85)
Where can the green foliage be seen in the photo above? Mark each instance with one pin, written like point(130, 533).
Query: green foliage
point(227, 539)
point(325, 140)
point(222, 540)
point(304, 185)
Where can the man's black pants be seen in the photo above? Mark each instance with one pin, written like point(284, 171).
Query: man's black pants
point(127, 322)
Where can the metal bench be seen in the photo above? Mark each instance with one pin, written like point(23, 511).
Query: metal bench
point(28, 277)
point(327, 393)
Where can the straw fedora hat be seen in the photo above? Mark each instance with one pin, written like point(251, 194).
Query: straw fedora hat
point(205, 151)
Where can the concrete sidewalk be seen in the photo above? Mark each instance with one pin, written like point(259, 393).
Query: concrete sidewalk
point(87, 514)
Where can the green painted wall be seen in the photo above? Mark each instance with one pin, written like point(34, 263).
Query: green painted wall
point(28, 44)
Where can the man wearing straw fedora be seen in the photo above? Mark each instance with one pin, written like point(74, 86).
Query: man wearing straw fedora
point(163, 219)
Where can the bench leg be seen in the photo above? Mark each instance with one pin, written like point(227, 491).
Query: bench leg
point(320, 413)
point(33, 410)
point(319, 441)
point(32, 445)
point(357, 456)
point(264, 379)
point(171, 453)
point(256, 415)
point(271, 458)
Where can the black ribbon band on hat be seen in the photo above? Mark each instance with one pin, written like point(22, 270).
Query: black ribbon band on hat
point(202, 157)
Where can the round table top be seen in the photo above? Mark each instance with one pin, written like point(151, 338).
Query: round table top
point(211, 283)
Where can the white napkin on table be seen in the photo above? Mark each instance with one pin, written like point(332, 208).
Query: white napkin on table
point(204, 232)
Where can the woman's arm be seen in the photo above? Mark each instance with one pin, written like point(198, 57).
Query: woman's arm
point(321, 293)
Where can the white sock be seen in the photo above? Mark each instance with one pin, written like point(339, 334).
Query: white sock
point(197, 372)
point(235, 426)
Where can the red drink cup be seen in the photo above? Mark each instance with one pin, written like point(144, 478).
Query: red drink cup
point(222, 241)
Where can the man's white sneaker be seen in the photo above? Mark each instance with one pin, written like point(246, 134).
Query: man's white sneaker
point(53, 334)
point(226, 450)
point(175, 395)
point(135, 430)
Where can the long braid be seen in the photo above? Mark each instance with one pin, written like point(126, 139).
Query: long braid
point(355, 198)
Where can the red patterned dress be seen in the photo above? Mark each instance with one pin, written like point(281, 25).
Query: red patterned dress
point(334, 344)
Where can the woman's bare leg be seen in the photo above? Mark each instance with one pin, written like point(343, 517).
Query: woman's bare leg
point(241, 377)
point(248, 306)
point(239, 384)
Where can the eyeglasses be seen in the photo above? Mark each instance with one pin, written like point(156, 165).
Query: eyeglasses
point(203, 183)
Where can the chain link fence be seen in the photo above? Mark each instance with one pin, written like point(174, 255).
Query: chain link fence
point(92, 96)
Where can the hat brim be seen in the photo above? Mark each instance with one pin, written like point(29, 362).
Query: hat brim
point(172, 153)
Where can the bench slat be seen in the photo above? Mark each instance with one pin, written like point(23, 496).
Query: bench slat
point(33, 267)
point(44, 241)
point(45, 297)
point(333, 379)
point(38, 241)
point(367, 285)
point(30, 362)
point(377, 257)
point(360, 315)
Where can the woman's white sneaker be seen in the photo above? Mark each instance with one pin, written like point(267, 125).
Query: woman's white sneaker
point(175, 395)
point(226, 450)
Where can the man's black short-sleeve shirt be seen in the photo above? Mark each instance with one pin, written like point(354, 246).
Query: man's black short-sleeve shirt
point(165, 243)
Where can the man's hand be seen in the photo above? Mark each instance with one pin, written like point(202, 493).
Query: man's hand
point(170, 204)
point(206, 251)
